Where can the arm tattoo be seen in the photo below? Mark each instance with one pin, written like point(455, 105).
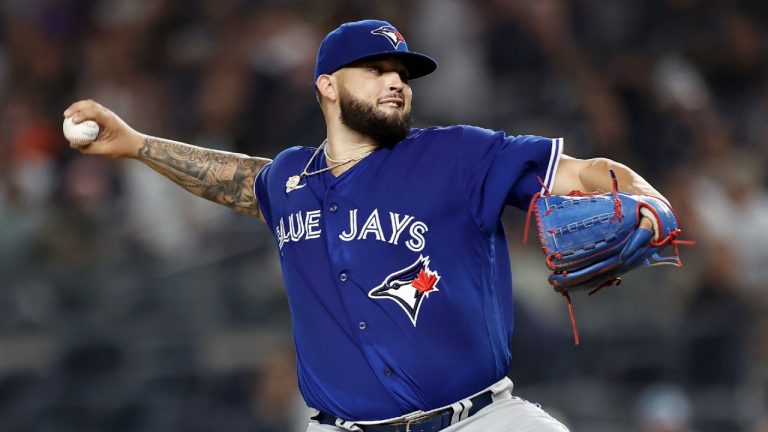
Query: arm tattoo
point(222, 177)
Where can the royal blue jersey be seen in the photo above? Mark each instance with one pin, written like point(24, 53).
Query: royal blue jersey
point(397, 271)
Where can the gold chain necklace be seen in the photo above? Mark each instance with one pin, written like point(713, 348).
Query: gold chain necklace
point(293, 181)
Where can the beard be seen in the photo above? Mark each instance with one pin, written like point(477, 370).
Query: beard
point(386, 130)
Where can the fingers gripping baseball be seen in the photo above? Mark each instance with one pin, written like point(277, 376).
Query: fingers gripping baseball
point(116, 139)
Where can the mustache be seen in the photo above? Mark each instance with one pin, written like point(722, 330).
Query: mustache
point(392, 97)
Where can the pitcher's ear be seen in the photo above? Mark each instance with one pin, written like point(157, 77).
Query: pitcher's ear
point(326, 86)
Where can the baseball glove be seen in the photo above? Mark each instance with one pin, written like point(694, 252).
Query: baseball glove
point(591, 239)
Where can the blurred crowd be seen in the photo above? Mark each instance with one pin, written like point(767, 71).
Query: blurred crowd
point(127, 304)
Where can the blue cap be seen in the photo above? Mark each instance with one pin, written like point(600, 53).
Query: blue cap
point(366, 39)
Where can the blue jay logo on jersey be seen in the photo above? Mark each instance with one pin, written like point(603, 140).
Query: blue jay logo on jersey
point(409, 287)
point(393, 36)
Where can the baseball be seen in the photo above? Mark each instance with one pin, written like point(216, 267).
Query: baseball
point(81, 133)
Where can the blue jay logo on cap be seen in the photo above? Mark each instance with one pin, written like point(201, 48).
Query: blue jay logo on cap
point(409, 287)
point(393, 36)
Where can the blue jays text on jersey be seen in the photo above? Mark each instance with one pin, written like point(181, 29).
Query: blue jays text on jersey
point(397, 271)
point(306, 226)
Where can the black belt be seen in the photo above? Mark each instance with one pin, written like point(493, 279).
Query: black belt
point(432, 422)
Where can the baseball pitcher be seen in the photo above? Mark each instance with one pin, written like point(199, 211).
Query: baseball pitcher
point(394, 259)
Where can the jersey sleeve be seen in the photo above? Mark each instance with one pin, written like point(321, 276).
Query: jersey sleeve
point(499, 170)
point(260, 191)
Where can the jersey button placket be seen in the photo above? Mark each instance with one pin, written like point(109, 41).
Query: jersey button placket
point(343, 276)
point(333, 207)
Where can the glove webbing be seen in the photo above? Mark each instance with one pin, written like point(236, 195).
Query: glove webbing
point(532, 207)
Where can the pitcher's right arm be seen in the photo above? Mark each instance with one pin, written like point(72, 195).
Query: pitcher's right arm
point(222, 177)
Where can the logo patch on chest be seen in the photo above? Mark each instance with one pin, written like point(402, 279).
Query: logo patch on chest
point(409, 287)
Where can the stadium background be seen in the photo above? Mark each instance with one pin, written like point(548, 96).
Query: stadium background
point(127, 304)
